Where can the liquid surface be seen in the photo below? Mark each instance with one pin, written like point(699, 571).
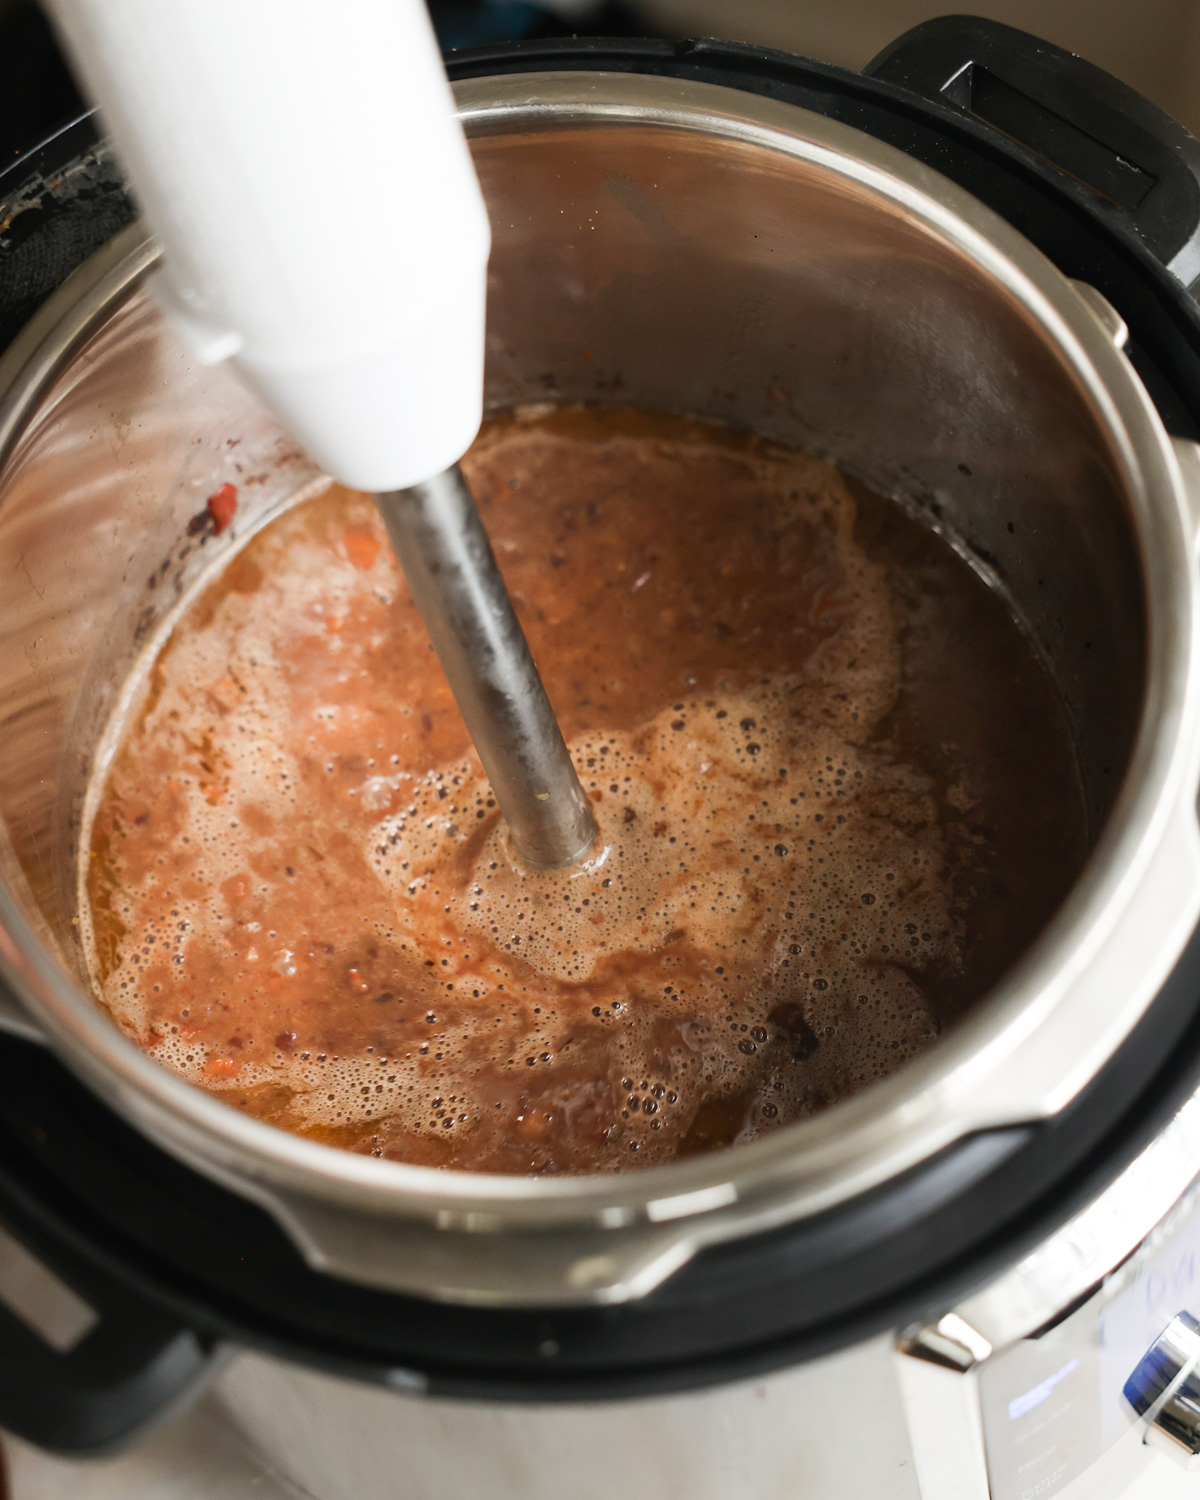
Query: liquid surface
point(835, 791)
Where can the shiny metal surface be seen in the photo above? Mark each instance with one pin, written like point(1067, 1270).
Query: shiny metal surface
point(448, 562)
point(924, 1418)
point(1112, 320)
point(1025, 1386)
point(682, 247)
point(829, 1429)
point(1108, 1241)
point(1164, 1390)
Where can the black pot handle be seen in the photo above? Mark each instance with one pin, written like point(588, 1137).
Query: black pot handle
point(1141, 166)
point(84, 1363)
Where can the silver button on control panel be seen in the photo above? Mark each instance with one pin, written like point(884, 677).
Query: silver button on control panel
point(1164, 1390)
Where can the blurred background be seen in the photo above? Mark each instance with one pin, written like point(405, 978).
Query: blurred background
point(1152, 44)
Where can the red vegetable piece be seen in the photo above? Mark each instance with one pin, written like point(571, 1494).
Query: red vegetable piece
point(362, 546)
point(222, 506)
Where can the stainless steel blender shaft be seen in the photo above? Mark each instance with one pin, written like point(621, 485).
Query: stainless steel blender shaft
point(451, 570)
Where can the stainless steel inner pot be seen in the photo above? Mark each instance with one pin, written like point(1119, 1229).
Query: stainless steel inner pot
point(682, 247)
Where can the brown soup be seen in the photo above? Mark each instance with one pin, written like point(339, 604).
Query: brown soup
point(836, 792)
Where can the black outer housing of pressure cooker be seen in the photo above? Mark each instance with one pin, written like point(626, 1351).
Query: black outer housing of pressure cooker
point(1108, 187)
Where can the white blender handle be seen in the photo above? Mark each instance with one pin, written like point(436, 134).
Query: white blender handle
point(302, 166)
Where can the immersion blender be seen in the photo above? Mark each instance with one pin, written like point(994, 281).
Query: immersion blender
point(321, 224)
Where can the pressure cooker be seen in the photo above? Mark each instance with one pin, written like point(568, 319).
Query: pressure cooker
point(967, 276)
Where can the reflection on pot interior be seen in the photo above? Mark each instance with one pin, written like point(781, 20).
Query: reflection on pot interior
point(836, 791)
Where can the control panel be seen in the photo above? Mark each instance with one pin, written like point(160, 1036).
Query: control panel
point(1054, 1380)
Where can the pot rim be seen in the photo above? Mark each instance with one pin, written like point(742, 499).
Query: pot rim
point(1002, 1065)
